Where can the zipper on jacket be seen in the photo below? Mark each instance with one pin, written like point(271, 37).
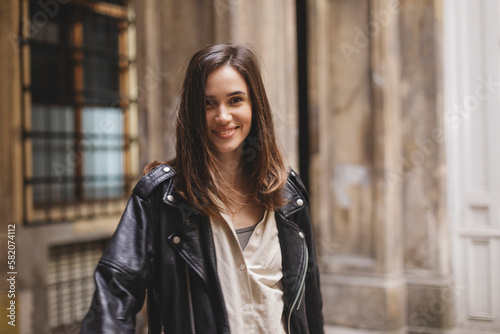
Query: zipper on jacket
point(191, 312)
point(299, 293)
point(300, 298)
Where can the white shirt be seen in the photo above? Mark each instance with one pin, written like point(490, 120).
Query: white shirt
point(251, 279)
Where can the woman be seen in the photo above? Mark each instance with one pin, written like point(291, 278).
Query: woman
point(220, 238)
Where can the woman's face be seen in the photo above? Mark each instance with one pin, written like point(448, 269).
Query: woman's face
point(228, 109)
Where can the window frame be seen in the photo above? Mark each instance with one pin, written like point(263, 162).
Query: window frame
point(80, 208)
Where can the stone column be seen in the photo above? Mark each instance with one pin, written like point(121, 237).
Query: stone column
point(431, 292)
point(356, 122)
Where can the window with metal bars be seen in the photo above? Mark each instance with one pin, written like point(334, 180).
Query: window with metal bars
point(76, 100)
point(71, 284)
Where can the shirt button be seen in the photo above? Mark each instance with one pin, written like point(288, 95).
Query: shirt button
point(243, 267)
point(166, 169)
point(246, 307)
point(257, 231)
point(176, 240)
point(300, 202)
point(170, 198)
point(301, 235)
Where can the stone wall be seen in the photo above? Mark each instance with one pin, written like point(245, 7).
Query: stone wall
point(377, 186)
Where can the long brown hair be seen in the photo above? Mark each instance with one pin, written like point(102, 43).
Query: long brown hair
point(198, 180)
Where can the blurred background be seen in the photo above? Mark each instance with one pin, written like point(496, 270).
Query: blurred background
point(389, 109)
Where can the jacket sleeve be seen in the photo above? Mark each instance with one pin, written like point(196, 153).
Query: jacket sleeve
point(313, 299)
point(123, 273)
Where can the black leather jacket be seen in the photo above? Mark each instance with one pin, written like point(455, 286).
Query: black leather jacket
point(164, 247)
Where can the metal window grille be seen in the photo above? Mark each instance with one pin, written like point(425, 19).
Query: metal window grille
point(77, 139)
point(71, 284)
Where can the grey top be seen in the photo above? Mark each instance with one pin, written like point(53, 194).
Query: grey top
point(244, 235)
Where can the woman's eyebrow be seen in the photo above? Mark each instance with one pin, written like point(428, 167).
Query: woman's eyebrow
point(238, 92)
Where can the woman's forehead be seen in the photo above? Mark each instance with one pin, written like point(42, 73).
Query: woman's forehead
point(225, 80)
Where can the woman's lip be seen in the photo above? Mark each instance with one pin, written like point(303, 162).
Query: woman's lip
point(225, 133)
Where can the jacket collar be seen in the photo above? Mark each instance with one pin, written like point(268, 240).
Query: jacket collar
point(295, 198)
point(295, 201)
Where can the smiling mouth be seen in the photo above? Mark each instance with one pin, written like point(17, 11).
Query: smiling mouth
point(225, 132)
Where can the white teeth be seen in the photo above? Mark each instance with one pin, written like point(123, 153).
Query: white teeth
point(224, 132)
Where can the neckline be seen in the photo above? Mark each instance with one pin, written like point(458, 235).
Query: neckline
point(246, 229)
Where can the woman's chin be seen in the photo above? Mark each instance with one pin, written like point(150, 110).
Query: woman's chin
point(228, 150)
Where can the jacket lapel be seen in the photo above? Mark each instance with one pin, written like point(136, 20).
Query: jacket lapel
point(293, 247)
point(295, 200)
point(195, 245)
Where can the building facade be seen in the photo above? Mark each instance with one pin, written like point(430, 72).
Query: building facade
point(389, 109)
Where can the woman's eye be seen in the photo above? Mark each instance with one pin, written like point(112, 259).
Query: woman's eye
point(236, 99)
point(209, 103)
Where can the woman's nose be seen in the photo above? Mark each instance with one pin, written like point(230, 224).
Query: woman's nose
point(223, 115)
